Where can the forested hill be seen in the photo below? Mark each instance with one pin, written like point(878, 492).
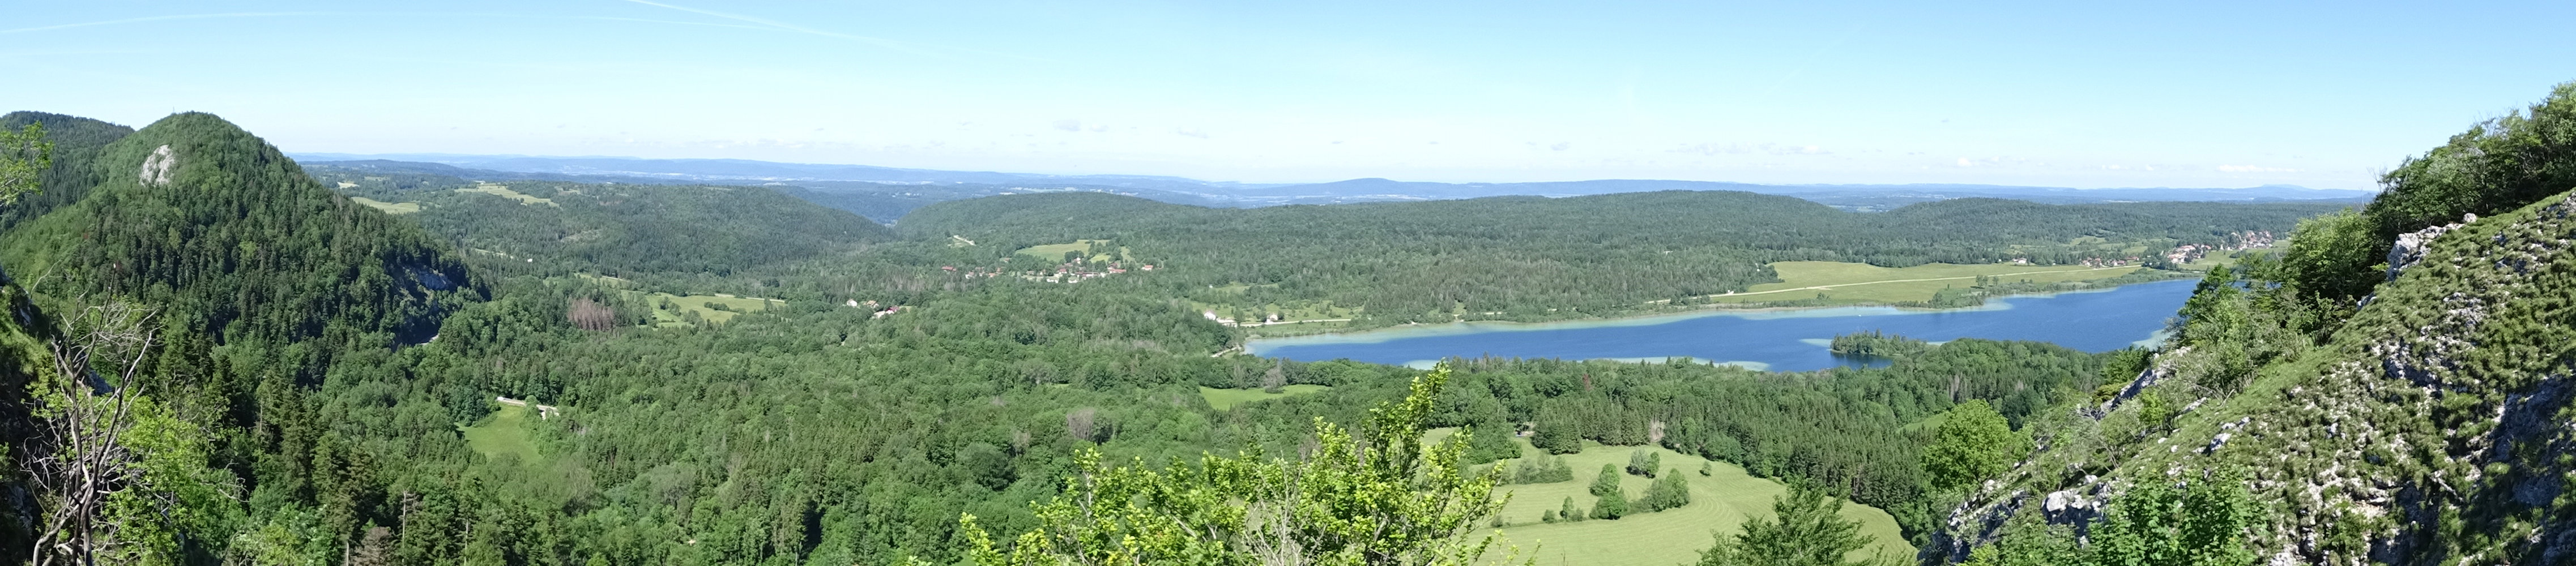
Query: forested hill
point(199, 216)
point(77, 142)
point(1534, 258)
point(2397, 387)
point(616, 229)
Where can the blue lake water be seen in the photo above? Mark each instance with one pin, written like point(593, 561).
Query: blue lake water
point(1779, 340)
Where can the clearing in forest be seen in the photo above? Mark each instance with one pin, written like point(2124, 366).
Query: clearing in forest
point(1222, 399)
point(1054, 253)
point(1861, 283)
point(674, 310)
point(505, 431)
point(388, 207)
point(504, 191)
point(1719, 503)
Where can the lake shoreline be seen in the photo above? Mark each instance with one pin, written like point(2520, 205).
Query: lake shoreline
point(1255, 345)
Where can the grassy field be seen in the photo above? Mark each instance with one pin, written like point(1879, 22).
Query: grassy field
point(388, 207)
point(701, 304)
point(1861, 283)
point(504, 190)
point(503, 432)
point(1719, 503)
point(1223, 399)
point(1053, 253)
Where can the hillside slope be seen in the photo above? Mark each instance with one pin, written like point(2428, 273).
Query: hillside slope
point(2394, 388)
point(198, 216)
point(610, 228)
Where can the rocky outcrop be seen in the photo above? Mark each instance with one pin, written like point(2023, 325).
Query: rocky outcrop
point(2437, 425)
point(157, 167)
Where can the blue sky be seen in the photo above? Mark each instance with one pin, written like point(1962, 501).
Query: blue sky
point(2080, 94)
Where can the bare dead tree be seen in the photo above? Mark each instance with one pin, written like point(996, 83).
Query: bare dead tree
point(587, 314)
point(77, 460)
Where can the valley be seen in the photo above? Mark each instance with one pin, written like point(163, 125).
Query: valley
point(378, 363)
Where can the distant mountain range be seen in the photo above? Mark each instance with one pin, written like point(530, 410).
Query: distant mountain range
point(942, 185)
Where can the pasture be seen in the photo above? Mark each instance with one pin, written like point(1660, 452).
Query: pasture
point(1223, 399)
point(1054, 253)
point(1719, 503)
point(674, 310)
point(1861, 283)
point(388, 207)
point(505, 431)
point(505, 192)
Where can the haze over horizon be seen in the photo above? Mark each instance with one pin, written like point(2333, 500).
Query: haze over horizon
point(2171, 95)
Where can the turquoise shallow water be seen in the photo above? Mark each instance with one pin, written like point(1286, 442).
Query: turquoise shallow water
point(1783, 340)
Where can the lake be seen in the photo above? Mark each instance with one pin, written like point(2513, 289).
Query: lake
point(1779, 340)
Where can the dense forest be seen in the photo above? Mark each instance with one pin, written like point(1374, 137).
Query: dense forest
point(322, 355)
point(1537, 258)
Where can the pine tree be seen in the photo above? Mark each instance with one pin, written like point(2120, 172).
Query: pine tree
point(1804, 529)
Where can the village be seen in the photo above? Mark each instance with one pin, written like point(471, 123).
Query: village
point(2240, 241)
point(1067, 272)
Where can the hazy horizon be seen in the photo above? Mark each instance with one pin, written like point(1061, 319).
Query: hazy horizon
point(2174, 95)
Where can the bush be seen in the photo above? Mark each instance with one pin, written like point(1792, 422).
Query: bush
point(1644, 462)
point(1666, 493)
point(1542, 469)
point(1607, 482)
point(1611, 506)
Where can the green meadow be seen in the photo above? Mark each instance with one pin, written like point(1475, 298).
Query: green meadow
point(718, 308)
point(1053, 253)
point(1223, 399)
point(1719, 503)
point(1861, 283)
point(388, 207)
point(505, 431)
point(504, 191)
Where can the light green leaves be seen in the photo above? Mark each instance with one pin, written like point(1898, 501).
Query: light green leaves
point(1375, 497)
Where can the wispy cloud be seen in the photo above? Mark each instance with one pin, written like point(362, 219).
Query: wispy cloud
point(166, 18)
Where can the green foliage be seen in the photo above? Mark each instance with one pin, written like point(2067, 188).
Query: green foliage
point(1804, 529)
point(1556, 433)
point(2156, 524)
point(1644, 463)
point(1547, 468)
point(1490, 441)
point(1531, 259)
point(2497, 166)
point(1876, 345)
point(1612, 505)
point(1972, 443)
point(2331, 257)
point(1606, 483)
point(2030, 547)
point(24, 155)
point(1374, 497)
point(1567, 512)
point(1668, 492)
